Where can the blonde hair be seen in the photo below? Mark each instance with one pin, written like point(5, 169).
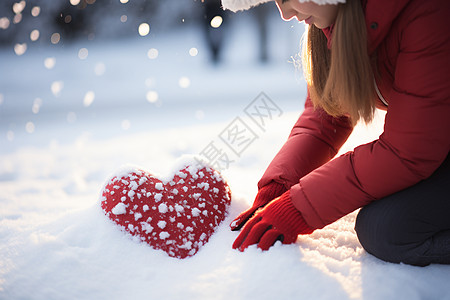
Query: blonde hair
point(341, 81)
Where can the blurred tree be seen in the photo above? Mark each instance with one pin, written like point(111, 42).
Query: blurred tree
point(214, 23)
point(75, 19)
point(261, 14)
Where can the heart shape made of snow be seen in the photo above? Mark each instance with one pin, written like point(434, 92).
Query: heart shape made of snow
point(177, 215)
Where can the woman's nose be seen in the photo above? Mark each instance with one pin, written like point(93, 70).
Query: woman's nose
point(286, 12)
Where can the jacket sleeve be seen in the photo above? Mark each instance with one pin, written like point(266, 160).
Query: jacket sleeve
point(314, 140)
point(416, 137)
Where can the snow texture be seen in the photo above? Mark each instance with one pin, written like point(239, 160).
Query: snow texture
point(119, 209)
point(55, 241)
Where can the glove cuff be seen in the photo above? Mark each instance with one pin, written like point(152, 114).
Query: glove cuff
point(293, 220)
point(268, 192)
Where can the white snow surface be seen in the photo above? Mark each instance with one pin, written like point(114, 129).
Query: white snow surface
point(55, 241)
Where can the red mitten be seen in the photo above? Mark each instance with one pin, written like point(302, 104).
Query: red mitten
point(177, 215)
point(266, 194)
point(278, 221)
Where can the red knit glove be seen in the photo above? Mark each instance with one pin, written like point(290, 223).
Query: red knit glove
point(278, 221)
point(265, 194)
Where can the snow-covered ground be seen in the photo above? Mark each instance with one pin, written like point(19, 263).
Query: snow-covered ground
point(65, 129)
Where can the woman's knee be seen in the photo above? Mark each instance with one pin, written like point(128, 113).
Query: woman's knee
point(401, 227)
point(373, 234)
point(384, 235)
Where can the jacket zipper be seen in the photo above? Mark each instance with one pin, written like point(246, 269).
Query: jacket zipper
point(379, 93)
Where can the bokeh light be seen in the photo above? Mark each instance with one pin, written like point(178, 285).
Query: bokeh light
point(20, 49)
point(216, 22)
point(152, 96)
point(144, 29)
point(67, 19)
point(184, 82)
point(152, 53)
point(55, 38)
point(35, 11)
point(37, 103)
point(56, 88)
point(29, 127)
point(17, 18)
point(83, 53)
point(50, 62)
point(193, 52)
point(4, 23)
point(88, 98)
point(19, 7)
point(34, 35)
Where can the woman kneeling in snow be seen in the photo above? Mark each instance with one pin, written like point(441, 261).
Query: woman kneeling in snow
point(360, 55)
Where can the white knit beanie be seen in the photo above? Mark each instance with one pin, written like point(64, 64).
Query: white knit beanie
point(236, 5)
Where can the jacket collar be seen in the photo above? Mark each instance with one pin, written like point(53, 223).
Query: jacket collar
point(328, 32)
point(380, 14)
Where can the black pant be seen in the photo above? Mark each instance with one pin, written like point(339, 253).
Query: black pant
point(411, 226)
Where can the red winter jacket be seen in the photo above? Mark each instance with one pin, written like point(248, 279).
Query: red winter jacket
point(412, 43)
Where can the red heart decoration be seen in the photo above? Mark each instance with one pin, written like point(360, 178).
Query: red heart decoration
point(178, 215)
